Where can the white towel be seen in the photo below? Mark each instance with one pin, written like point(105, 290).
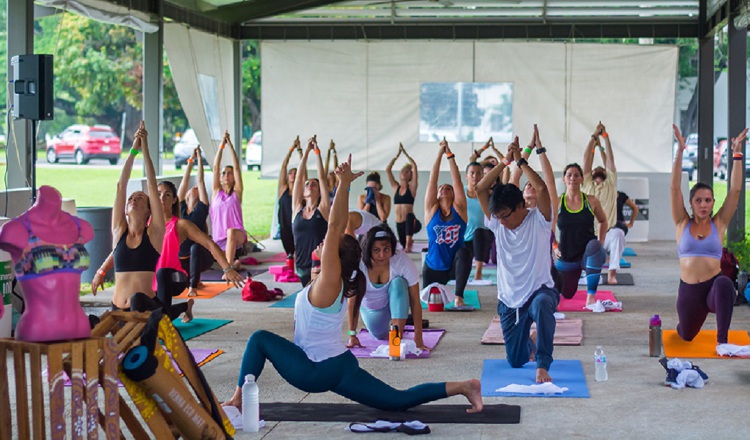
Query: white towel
point(597, 307)
point(612, 305)
point(474, 282)
point(538, 388)
point(690, 378)
point(407, 346)
point(446, 295)
point(733, 350)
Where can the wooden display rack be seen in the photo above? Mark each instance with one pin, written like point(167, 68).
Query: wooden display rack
point(89, 364)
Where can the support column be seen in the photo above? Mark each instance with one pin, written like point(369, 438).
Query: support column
point(705, 152)
point(737, 118)
point(153, 100)
point(20, 41)
point(237, 97)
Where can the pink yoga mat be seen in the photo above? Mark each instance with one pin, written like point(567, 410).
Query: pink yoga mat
point(430, 336)
point(578, 302)
point(273, 258)
point(567, 332)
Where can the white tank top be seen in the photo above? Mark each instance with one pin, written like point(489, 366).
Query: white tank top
point(369, 221)
point(315, 332)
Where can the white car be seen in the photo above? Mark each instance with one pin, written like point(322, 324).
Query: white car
point(254, 151)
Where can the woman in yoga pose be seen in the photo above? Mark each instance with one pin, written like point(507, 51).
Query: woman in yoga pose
point(286, 183)
point(317, 360)
point(373, 200)
point(404, 192)
point(703, 288)
point(228, 229)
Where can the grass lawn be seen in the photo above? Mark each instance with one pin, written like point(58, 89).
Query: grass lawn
point(96, 187)
point(720, 193)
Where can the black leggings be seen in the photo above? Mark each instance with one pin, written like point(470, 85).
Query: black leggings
point(696, 301)
point(200, 260)
point(481, 245)
point(169, 283)
point(407, 228)
point(459, 271)
point(287, 239)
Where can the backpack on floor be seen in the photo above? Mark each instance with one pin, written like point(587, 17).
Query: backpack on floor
point(730, 267)
point(257, 291)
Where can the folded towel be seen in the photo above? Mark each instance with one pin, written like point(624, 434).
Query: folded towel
point(733, 350)
point(539, 388)
point(446, 295)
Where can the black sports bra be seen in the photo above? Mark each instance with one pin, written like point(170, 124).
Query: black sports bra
point(406, 199)
point(141, 259)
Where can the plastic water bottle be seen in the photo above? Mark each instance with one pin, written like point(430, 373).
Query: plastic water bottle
point(250, 408)
point(654, 336)
point(600, 364)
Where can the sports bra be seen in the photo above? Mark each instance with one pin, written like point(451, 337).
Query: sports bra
point(141, 259)
point(690, 247)
point(41, 258)
point(406, 199)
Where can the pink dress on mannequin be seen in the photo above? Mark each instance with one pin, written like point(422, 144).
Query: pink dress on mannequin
point(46, 245)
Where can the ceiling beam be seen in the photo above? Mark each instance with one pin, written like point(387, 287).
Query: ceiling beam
point(714, 22)
point(254, 9)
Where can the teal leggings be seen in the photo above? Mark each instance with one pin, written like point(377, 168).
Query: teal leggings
point(341, 374)
point(378, 321)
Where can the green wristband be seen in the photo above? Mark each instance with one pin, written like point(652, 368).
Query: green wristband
point(527, 150)
point(134, 152)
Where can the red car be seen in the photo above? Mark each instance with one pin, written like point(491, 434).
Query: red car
point(83, 143)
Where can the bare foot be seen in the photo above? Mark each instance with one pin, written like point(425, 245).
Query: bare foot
point(192, 292)
point(542, 376)
point(590, 299)
point(459, 302)
point(473, 392)
point(478, 275)
point(612, 278)
point(237, 265)
point(532, 336)
point(189, 312)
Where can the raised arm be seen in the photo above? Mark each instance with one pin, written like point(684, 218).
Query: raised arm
point(549, 175)
point(515, 174)
point(283, 171)
point(459, 194)
point(185, 182)
point(156, 227)
point(431, 195)
point(299, 183)
point(483, 187)
point(119, 221)
point(679, 213)
point(327, 286)
point(202, 193)
point(635, 209)
point(325, 196)
point(588, 153)
point(478, 153)
point(414, 183)
point(236, 167)
point(331, 152)
point(609, 158)
point(389, 169)
point(725, 213)
point(217, 168)
point(542, 194)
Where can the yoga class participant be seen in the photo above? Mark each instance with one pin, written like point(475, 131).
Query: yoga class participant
point(310, 205)
point(374, 201)
point(360, 222)
point(602, 183)
point(477, 238)
point(445, 215)
point(525, 289)
point(392, 287)
point(404, 192)
point(46, 245)
point(286, 183)
point(703, 288)
point(578, 248)
point(317, 360)
point(331, 176)
point(622, 200)
point(228, 229)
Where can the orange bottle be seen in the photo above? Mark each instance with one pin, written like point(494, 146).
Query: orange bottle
point(394, 350)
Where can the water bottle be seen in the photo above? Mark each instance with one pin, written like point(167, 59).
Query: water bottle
point(654, 336)
point(600, 363)
point(394, 349)
point(250, 409)
point(435, 300)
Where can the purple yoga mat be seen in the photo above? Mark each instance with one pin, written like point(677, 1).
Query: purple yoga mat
point(430, 336)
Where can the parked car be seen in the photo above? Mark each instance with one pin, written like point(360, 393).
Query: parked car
point(254, 151)
point(83, 143)
point(183, 149)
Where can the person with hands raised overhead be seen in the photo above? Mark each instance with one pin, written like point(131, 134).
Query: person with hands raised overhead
point(602, 183)
point(331, 176)
point(228, 229)
point(310, 205)
point(477, 238)
point(373, 200)
point(284, 195)
point(525, 289)
point(445, 216)
point(317, 360)
point(703, 289)
point(404, 194)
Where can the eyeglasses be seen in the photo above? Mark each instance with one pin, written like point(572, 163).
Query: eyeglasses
point(505, 216)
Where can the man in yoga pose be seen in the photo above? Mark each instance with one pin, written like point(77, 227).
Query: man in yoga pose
point(525, 289)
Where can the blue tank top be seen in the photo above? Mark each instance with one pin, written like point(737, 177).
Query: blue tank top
point(690, 247)
point(445, 238)
point(475, 216)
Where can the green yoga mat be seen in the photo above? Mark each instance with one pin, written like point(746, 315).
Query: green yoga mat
point(471, 298)
point(198, 326)
point(488, 273)
point(286, 303)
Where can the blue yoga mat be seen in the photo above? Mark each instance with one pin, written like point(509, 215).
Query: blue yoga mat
point(565, 373)
point(629, 252)
point(198, 326)
point(286, 303)
point(471, 298)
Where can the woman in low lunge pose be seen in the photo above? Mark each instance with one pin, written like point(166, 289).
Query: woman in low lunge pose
point(404, 193)
point(318, 361)
point(703, 288)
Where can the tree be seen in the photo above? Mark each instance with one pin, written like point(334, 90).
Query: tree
point(251, 84)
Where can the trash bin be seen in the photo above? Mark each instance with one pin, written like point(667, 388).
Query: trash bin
point(100, 246)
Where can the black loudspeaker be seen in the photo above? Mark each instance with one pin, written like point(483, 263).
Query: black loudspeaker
point(33, 93)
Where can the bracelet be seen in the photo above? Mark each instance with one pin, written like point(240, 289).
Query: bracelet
point(594, 137)
point(101, 272)
point(601, 149)
point(352, 333)
point(134, 152)
point(739, 156)
point(605, 134)
point(505, 161)
point(541, 150)
point(527, 150)
point(317, 151)
point(228, 268)
point(450, 156)
point(190, 160)
point(521, 162)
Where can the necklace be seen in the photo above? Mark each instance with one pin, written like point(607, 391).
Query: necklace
point(701, 237)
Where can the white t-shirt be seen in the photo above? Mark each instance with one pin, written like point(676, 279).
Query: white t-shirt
point(316, 332)
point(369, 221)
point(376, 298)
point(523, 262)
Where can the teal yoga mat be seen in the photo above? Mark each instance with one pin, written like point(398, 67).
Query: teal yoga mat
point(629, 252)
point(497, 373)
point(471, 298)
point(286, 303)
point(198, 326)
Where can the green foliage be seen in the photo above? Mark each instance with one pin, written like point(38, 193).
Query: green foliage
point(741, 250)
point(251, 84)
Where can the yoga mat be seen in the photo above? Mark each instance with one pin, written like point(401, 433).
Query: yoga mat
point(286, 303)
point(198, 326)
point(578, 302)
point(208, 291)
point(355, 412)
point(430, 336)
point(273, 258)
point(567, 332)
point(497, 373)
point(703, 346)
point(623, 279)
point(629, 252)
point(472, 282)
point(471, 298)
point(623, 264)
point(215, 275)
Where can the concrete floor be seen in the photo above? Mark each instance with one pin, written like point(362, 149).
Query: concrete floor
point(633, 403)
